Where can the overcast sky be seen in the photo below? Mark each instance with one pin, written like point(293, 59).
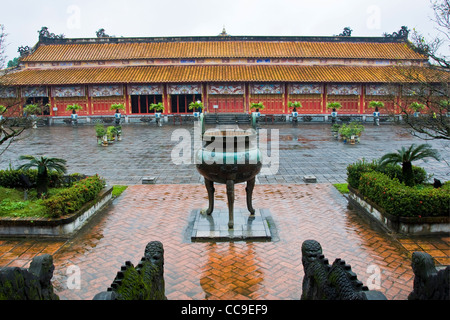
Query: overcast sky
point(139, 18)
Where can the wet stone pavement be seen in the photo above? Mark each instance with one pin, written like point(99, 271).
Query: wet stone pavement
point(225, 269)
point(146, 151)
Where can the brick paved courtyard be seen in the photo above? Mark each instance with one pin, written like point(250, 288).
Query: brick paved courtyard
point(222, 270)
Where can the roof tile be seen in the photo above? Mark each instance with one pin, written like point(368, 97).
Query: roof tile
point(222, 49)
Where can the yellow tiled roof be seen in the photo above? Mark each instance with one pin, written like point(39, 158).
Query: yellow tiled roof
point(223, 49)
point(219, 73)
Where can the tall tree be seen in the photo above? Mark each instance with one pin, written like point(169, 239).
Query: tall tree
point(9, 129)
point(429, 87)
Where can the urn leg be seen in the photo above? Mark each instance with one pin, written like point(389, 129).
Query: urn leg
point(249, 190)
point(230, 195)
point(210, 188)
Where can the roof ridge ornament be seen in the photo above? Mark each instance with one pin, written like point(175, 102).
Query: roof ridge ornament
point(347, 32)
point(224, 33)
point(401, 34)
point(45, 34)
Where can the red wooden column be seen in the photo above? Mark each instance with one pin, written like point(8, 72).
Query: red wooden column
point(89, 104)
point(166, 100)
point(205, 96)
point(127, 99)
point(286, 98)
point(247, 97)
point(52, 105)
point(324, 99)
point(362, 98)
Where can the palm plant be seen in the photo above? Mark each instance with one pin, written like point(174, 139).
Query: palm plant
point(117, 106)
point(74, 107)
point(43, 165)
point(376, 104)
point(294, 105)
point(196, 105)
point(334, 105)
point(32, 109)
point(405, 156)
point(158, 107)
point(258, 106)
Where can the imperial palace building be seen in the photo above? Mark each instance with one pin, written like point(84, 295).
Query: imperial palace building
point(227, 73)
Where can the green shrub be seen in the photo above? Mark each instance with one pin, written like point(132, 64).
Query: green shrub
point(73, 198)
point(11, 178)
point(355, 170)
point(395, 171)
point(400, 200)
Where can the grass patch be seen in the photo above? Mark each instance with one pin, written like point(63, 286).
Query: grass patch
point(342, 187)
point(117, 190)
point(13, 203)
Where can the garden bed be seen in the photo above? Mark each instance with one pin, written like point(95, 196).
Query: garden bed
point(398, 224)
point(381, 193)
point(63, 226)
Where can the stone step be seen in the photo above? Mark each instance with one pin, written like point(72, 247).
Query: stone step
point(227, 118)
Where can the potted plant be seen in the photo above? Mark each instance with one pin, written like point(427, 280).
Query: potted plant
point(351, 132)
point(416, 107)
point(197, 106)
point(117, 115)
point(335, 130)
point(334, 106)
point(111, 133)
point(256, 114)
point(101, 134)
point(376, 113)
point(257, 106)
point(74, 108)
point(2, 111)
point(294, 105)
point(158, 107)
point(119, 133)
point(32, 110)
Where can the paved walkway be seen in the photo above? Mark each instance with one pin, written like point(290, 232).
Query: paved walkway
point(307, 149)
point(227, 270)
point(222, 270)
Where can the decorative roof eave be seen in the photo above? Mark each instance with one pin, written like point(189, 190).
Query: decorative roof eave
point(224, 73)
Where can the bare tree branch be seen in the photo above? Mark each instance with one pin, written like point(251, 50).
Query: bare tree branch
point(10, 128)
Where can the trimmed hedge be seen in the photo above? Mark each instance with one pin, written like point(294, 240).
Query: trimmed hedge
point(356, 170)
point(11, 178)
point(400, 200)
point(72, 199)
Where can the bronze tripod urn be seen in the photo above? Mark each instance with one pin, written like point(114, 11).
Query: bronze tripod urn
point(229, 156)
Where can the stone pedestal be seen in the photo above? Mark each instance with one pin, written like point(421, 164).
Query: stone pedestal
point(214, 227)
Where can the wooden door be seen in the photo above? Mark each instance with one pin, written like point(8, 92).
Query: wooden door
point(350, 104)
point(311, 103)
point(273, 103)
point(226, 103)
